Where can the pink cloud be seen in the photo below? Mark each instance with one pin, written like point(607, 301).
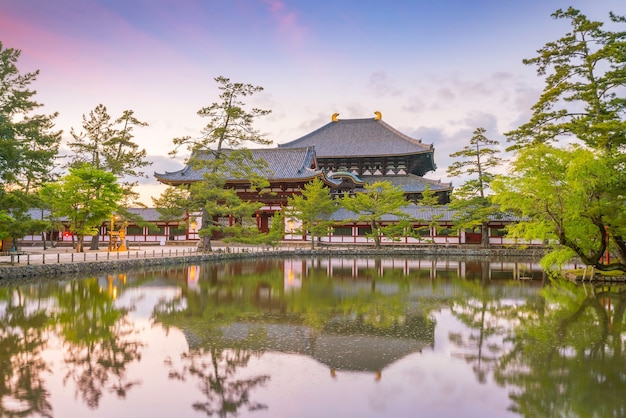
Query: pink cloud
point(288, 24)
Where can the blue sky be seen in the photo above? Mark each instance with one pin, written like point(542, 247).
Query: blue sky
point(436, 69)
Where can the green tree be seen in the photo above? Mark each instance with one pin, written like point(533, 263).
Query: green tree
point(470, 201)
point(380, 199)
point(230, 125)
point(558, 194)
point(429, 202)
point(584, 78)
point(28, 146)
point(108, 145)
point(173, 204)
point(582, 100)
point(277, 230)
point(313, 208)
point(86, 196)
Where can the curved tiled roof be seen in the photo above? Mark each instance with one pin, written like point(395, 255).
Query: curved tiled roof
point(287, 163)
point(359, 137)
point(441, 213)
point(414, 212)
point(410, 183)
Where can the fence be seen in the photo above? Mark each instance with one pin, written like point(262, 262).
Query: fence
point(27, 258)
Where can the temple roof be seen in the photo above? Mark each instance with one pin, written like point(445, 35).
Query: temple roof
point(442, 213)
point(282, 163)
point(359, 138)
point(410, 183)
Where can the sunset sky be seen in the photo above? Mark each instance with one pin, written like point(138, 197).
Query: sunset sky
point(436, 69)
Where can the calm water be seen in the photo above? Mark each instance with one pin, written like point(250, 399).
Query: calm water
point(314, 338)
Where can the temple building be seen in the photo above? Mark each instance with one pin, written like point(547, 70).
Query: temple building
point(345, 154)
point(362, 151)
point(286, 169)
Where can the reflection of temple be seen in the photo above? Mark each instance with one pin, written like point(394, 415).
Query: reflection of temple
point(352, 348)
point(348, 347)
point(345, 341)
point(433, 268)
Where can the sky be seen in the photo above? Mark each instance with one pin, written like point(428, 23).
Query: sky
point(435, 69)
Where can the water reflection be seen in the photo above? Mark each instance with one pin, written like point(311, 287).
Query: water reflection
point(336, 325)
point(22, 368)
point(568, 353)
point(97, 338)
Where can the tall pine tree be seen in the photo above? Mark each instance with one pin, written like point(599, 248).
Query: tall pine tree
point(220, 152)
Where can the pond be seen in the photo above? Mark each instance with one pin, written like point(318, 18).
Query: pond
point(314, 337)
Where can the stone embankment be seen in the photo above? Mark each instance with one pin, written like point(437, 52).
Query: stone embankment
point(22, 271)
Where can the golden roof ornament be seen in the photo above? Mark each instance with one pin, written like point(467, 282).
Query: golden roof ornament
point(334, 117)
point(378, 116)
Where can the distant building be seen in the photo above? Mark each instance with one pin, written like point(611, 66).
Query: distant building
point(370, 150)
point(346, 155)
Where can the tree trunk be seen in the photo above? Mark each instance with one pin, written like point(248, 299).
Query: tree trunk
point(79, 244)
point(205, 242)
point(95, 241)
point(484, 235)
point(376, 235)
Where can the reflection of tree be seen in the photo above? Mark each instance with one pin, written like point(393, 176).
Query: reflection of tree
point(482, 310)
point(208, 360)
point(22, 391)
point(234, 310)
point(570, 355)
point(215, 369)
point(97, 335)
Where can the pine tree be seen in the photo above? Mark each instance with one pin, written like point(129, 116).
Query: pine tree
point(28, 147)
point(220, 152)
point(470, 201)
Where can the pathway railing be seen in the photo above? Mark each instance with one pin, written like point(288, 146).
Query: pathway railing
point(34, 258)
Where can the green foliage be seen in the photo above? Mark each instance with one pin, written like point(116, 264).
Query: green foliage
point(475, 159)
point(108, 145)
point(559, 194)
point(173, 203)
point(584, 80)
point(574, 196)
point(28, 146)
point(5, 224)
point(313, 208)
point(470, 201)
point(557, 258)
point(229, 125)
point(398, 230)
point(379, 199)
point(220, 201)
point(277, 230)
point(86, 196)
